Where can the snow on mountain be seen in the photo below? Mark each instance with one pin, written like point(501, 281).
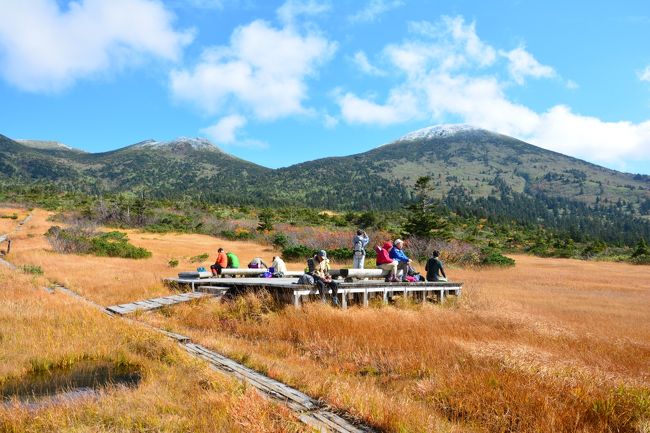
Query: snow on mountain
point(438, 131)
point(181, 142)
point(45, 144)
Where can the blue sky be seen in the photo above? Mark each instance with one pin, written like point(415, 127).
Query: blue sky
point(278, 83)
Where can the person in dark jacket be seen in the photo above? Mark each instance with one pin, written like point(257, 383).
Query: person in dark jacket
point(435, 269)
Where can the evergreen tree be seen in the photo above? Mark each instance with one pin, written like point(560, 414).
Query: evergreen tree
point(641, 249)
point(423, 218)
point(265, 220)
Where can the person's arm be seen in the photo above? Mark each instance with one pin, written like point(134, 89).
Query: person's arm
point(426, 266)
point(442, 269)
point(365, 240)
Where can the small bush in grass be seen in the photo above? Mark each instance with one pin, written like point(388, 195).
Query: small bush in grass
point(32, 269)
point(198, 258)
point(173, 263)
point(297, 252)
point(237, 234)
point(492, 257)
point(12, 216)
point(79, 239)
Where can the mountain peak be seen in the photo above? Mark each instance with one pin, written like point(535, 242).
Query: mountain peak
point(196, 143)
point(45, 145)
point(438, 131)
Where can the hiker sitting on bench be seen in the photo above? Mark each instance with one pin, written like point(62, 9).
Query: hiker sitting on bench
point(319, 267)
point(220, 263)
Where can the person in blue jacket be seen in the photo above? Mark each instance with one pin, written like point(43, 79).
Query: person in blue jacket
point(403, 262)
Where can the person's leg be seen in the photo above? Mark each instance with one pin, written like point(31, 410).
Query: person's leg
point(355, 261)
point(362, 261)
point(402, 270)
point(215, 269)
point(335, 291)
point(320, 284)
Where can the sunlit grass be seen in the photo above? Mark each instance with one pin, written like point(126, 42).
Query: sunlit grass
point(548, 345)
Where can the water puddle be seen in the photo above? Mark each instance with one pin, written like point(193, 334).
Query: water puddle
point(82, 380)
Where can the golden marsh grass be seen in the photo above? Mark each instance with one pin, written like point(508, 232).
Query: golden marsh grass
point(551, 345)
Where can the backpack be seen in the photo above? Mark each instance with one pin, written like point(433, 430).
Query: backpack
point(358, 246)
point(311, 266)
point(306, 279)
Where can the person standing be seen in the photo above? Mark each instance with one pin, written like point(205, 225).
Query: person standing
point(220, 263)
point(359, 243)
point(384, 261)
point(403, 262)
point(435, 269)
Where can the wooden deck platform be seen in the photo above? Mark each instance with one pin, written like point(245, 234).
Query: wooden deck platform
point(287, 289)
point(155, 303)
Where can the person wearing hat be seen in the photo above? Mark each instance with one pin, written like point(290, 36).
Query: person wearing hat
point(403, 262)
point(384, 261)
point(322, 277)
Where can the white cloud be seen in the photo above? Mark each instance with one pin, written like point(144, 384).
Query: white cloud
point(292, 9)
point(263, 70)
point(44, 49)
point(373, 9)
point(522, 64)
point(645, 74)
point(330, 121)
point(444, 78)
point(225, 130)
point(362, 62)
point(202, 4)
point(571, 85)
point(400, 107)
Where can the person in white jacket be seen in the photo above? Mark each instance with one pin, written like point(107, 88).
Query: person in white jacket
point(359, 243)
point(278, 265)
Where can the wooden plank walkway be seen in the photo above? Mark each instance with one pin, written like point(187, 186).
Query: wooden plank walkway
point(312, 412)
point(155, 303)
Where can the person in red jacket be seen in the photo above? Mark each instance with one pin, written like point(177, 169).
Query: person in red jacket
point(385, 262)
point(220, 263)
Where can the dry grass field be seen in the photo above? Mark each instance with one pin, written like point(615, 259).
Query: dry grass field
point(551, 345)
point(42, 333)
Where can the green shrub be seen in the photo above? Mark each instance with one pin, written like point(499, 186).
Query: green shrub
point(641, 260)
point(84, 240)
point(280, 240)
point(492, 257)
point(173, 263)
point(13, 216)
point(198, 258)
point(32, 269)
point(237, 235)
point(115, 244)
point(297, 252)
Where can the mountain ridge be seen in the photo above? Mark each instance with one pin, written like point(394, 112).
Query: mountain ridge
point(461, 160)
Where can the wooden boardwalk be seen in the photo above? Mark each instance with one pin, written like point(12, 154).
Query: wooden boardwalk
point(155, 303)
point(287, 290)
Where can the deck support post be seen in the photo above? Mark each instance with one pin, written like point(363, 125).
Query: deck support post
point(296, 300)
point(365, 298)
point(344, 299)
